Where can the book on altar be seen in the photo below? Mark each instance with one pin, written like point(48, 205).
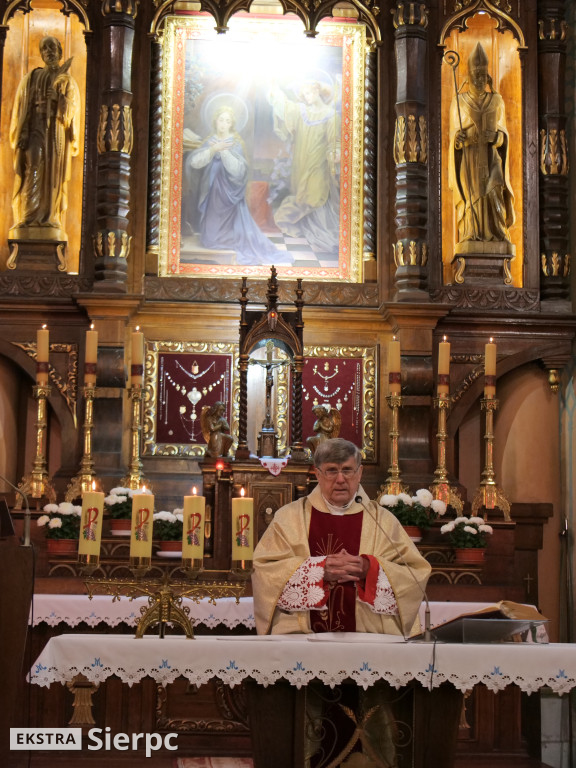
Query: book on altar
point(505, 621)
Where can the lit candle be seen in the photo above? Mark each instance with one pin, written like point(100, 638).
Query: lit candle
point(91, 522)
point(490, 369)
point(90, 357)
point(193, 528)
point(242, 527)
point(394, 371)
point(42, 353)
point(443, 387)
point(137, 362)
point(141, 529)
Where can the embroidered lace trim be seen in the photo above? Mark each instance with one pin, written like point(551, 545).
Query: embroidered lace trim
point(305, 589)
point(384, 600)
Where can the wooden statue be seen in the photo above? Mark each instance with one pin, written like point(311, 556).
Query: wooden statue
point(216, 430)
point(327, 425)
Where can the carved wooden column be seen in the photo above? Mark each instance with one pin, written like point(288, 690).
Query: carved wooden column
point(370, 164)
point(411, 151)
point(154, 161)
point(553, 152)
point(115, 140)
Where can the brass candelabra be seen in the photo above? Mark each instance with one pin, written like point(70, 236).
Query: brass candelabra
point(135, 477)
point(441, 487)
point(165, 599)
point(488, 494)
point(37, 483)
point(393, 483)
point(82, 482)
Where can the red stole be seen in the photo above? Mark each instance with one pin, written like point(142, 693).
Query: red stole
point(328, 535)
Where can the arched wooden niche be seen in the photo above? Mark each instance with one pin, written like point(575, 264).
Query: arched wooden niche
point(502, 42)
point(271, 328)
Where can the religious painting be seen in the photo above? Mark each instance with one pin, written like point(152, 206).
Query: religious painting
point(181, 379)
point(339, 383)
point(262, 165)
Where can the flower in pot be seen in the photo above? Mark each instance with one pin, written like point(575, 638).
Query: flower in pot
point(416, 511)
point(469, 534)
point(167, 530)
point(62, 524)
point(118, 508)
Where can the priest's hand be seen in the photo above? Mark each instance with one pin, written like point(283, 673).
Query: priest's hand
point(342, 567)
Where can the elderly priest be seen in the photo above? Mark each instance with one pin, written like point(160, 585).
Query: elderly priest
point(336, 561)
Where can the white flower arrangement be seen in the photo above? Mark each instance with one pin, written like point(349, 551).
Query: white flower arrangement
point(168, 525)
point(419, 509)
point(61, 521)
point(118, 503)
point(467, 532)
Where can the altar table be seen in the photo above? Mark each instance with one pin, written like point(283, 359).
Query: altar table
point(299, 659)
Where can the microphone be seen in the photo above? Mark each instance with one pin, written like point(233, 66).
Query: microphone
point(427, 632)
point(26, 537)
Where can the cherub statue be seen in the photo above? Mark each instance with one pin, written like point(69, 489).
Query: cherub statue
point(215, 430)
point(327, 425)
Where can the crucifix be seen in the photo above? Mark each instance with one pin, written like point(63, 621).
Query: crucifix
point(268, 438)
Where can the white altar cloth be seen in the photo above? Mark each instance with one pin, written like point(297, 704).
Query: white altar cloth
point(331, 658)
point(75, 609)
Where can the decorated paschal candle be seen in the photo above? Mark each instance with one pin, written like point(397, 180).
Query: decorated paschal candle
point(141, 528)
point(193, 529)
point(91, 525)
point(242, 527)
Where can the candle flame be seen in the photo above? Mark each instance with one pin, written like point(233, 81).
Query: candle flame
point(44, 326)
point(143, 489)
point(393, 338)
point(91, 326)
point(93, 485)
point(444, 338)
point(242, 492)
point(137, 328)
point(491, 339)
point(194, 491)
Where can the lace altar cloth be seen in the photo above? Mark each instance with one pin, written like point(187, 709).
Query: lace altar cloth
point(331, 658)
point(74, 609)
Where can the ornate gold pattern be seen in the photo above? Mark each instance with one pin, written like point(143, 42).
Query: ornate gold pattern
point(555, 265)
point(66, 388)
point(553, 152)
point(552, 29)
point(127, 7)
point(369, 385)
point(116, 123)
point(410, 14)
point(498, 9)
point(503, 5)
point(150, 447)
point(411, 140)
point(105, 244)
point(416, 254)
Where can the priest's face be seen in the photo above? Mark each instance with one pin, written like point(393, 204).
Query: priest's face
point(339, 482)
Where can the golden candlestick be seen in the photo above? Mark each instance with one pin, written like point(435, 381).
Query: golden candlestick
point(393, 484)
point(441, 487)
point(165, 599)
point(488, 494)
point(82, 482)
point(135, 477)
point(37, 483)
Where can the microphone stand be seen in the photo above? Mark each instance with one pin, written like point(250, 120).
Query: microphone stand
point(427, 630)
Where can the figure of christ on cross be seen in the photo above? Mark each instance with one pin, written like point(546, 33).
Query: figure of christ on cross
point(270, 363)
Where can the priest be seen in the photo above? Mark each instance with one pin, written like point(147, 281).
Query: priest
point(336, 561)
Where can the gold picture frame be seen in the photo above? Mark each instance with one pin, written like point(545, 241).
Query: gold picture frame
point(262, 165)
point(207, 372)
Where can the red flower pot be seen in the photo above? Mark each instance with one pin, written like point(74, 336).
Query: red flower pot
point(120, 527)
point(62, 546)
point(414, 532)
point(469, 556)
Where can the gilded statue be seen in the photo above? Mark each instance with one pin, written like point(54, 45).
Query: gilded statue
point(44, 134)
point(216, 430)
point(479, 159)
point(327, 425)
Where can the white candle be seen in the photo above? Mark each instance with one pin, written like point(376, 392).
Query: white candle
point(91, 356)
point(490, 369)
point(137, 361)
point(443, 387)
point(394, 369)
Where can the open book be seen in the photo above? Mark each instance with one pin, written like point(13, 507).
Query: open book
point(503, 621)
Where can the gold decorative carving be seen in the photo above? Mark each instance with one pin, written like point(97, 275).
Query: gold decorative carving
point(552, 29)
point(553, 152)
point(369, 385)
point(410, 14)
point(153, 348)
point(116, 123)
point(66, 387)
point(414, 255)
point(502, 5)
point(105, 244)
point(411, 140)
point(127, 7)
point(82, 690)
point(555, 265)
